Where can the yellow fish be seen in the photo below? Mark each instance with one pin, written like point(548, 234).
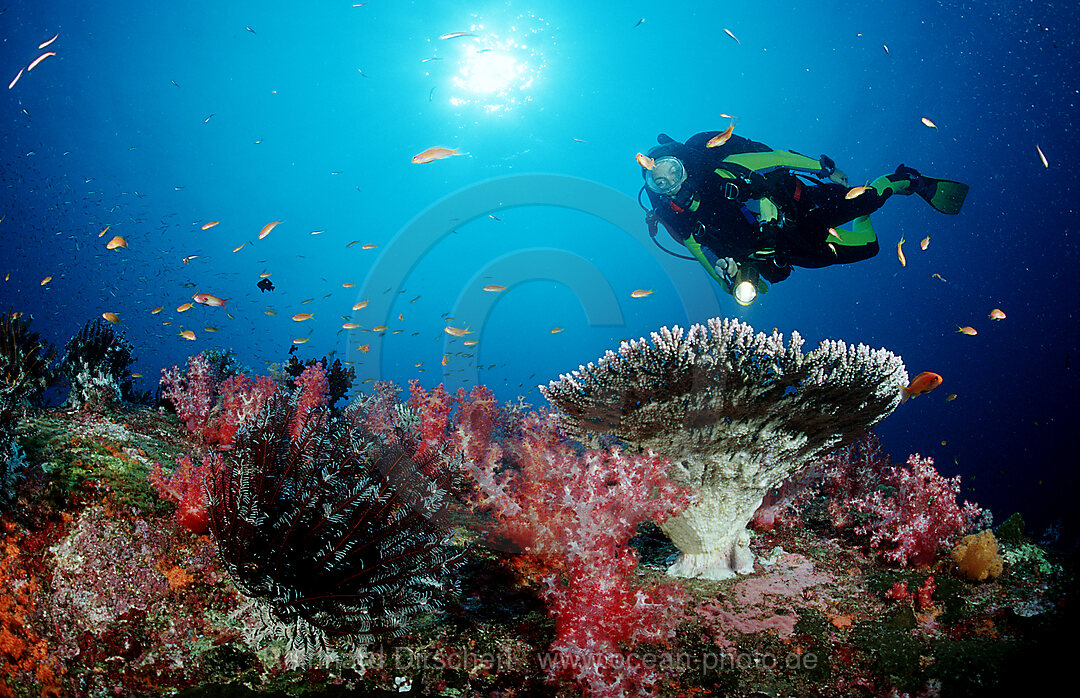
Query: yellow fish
point(640, 293)
point(237, 249)
point(270, 312)
point(267, 228)
point(210, 225)
point(364, 348)
point(556, 330)
point(645, 161)
point(997, 314)
point(456, 331)
point(471, 342)
point(185, 307)
point(46, 280)
point(347, 284)
point(928, 123)
point(350, 326)
point(856, 191)
point(900, 252)
point(969, 331)
point(494, 288)
point(721, 138)
point(102, 233)
point(300, 317)
point(368, 246)
point(188, 335)
point(939, 277)
point(925, 243)
point(115, 243)
point(378, 328)
point(157, 310)
point(301, 340)
point(360, 305)
point(111, 317)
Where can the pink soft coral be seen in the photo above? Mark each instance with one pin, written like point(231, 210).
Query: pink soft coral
point(192, 392)
point(314, 392)
point(921, 516)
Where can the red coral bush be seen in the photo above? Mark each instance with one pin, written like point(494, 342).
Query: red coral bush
point(920, 517)
point(572, 516)
point(187, 487)
point(569, 515)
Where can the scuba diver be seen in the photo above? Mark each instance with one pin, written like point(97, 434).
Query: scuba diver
point(749, 213)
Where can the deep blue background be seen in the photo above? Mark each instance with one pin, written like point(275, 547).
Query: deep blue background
point(99, 135)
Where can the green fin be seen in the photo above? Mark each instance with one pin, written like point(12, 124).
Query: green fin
point(945, 195)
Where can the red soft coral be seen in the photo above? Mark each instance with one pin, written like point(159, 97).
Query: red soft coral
point(186, 487)
point(572, 516)
point(921, 516)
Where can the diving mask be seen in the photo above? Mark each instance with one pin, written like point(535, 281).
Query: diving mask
point(666, 176)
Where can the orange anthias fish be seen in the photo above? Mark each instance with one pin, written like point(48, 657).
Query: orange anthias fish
point(267, 228)
point(188, 335)
point(157, 310)
point(210, 225)
point(350, 326)
point(920, 385)
point(209, 299)
point(721, 138)
point(856, 191)
point(900, 252)
point(115, 243)
point(360, 305)
point(928, 123)
point(645, 161)
point(640, 293)
point(494, 288)
point(969, 331)
point(997, 314)
point(110, 317)
point(369, 246)
point(432, 154)
point(300, 317)
point(185, 307)
point(456, 331)
point(925, 243)
point(364, 348)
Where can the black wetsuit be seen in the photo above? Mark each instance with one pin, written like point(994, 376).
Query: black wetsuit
point(720, 206)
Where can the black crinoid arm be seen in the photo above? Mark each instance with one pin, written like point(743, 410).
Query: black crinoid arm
point(337, 537)
point(96, 363)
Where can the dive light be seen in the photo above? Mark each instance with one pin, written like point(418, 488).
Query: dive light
point(746, 282)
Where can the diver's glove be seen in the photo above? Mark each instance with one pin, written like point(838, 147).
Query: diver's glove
point(829, 171)
point(727, 268)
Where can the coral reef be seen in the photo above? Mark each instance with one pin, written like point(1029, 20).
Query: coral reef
point(95, 363)
point(104, 591)
point(336, 537)
point(738, 412)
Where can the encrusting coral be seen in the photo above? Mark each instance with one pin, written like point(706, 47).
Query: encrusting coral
point(737, 412)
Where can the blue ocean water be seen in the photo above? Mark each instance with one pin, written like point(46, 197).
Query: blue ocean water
point(155, 119)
